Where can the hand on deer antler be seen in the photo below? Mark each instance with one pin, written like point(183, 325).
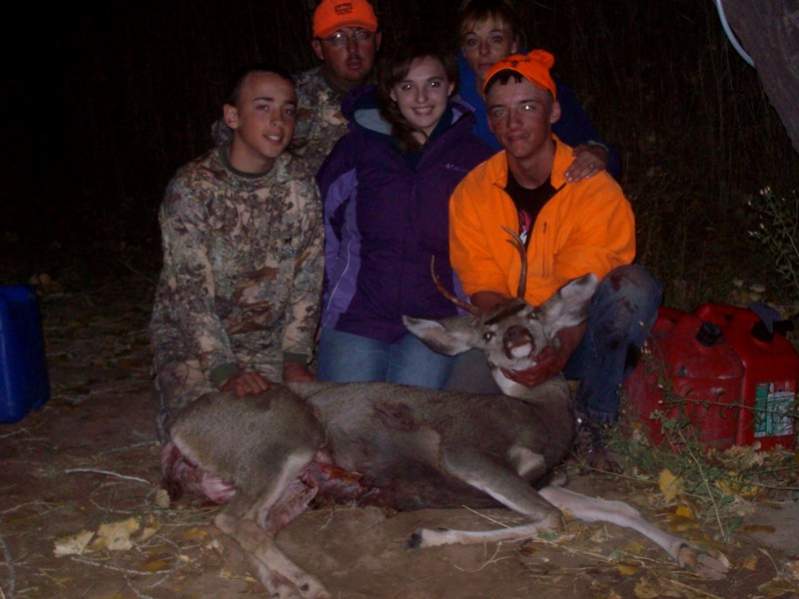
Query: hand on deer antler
point(552, 358)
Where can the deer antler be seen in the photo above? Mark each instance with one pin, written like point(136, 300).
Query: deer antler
point(516, 241)
point(471, 308)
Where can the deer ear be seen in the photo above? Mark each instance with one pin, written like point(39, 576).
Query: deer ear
point(569, 306)
point(449, 336)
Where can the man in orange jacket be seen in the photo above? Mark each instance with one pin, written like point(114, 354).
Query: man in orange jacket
point(569, 229)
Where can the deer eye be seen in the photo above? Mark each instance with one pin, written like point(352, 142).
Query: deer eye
point(488, 336)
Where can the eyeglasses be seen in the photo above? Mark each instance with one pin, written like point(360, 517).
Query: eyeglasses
point(340, 38)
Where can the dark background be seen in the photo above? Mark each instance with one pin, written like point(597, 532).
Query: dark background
point(92, 142)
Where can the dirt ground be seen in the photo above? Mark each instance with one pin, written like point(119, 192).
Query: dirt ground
point(89, 458)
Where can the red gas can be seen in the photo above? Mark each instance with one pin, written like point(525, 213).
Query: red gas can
point(771, 370)
point(703, 372)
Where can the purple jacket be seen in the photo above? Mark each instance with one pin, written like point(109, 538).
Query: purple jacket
point(385, 216)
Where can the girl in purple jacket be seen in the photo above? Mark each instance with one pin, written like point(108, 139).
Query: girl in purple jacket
point(385, 188)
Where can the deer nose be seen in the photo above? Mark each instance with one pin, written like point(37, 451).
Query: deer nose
point(518, 342)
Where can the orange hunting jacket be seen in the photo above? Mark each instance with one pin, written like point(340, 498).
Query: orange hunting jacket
point(585, 227)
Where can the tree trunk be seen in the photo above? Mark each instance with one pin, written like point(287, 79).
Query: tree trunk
point(769, 31)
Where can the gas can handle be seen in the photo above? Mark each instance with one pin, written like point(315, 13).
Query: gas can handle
point(761, 333)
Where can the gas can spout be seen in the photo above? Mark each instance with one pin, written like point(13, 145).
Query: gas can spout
point(709, 334)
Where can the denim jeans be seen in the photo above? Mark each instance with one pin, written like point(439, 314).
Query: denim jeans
point(348, 358)
point(620, 316)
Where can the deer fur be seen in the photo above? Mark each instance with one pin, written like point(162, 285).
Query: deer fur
point(408, 448)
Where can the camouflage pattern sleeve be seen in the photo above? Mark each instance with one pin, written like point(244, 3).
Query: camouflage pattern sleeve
point(185, 232)
point(320, 123)
point(303, 307)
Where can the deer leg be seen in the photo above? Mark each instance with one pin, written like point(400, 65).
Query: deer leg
point(596, 509)
point(252, 520)
point(281, 577)
point(528, 464)
point(502, 484)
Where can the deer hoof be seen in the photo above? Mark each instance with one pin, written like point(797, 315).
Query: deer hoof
point(414, 541)
point(710, 567)
point(430, 537)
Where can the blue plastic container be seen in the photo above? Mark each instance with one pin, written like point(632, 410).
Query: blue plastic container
point(24, 384)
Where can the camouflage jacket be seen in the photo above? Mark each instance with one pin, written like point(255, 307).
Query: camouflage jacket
point(320, 123)
point(242, 270)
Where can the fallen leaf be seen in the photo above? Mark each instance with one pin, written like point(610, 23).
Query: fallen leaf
point(73, 545)
point(670, 485)
point(195, 534)
point(626, 569)
point(680, 524)
point(792, 568)
point(45, 284)
point(635, 547)
point(115, 536)
point(162, 499)
point(685, 511)
point(156, 565)
point(735, 486)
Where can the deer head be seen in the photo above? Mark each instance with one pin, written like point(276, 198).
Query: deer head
point(512, 334)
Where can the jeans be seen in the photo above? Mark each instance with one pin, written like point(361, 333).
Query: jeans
point(348, 358)
point(620, 316)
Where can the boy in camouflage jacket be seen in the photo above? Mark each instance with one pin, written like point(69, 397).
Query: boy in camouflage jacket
point(238, 298)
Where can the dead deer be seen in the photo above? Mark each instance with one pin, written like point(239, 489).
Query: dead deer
point(408, 448)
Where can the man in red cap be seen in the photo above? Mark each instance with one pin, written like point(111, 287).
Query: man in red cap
point(345, 39)
point(569, 229)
